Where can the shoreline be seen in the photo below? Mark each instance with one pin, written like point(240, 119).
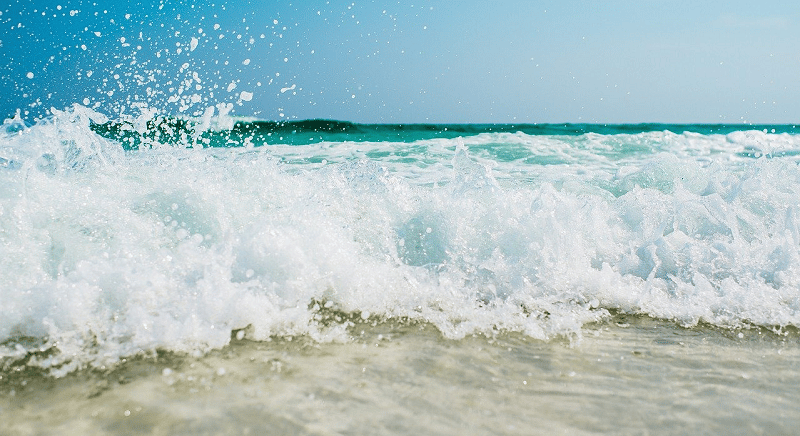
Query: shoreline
point(628, 375)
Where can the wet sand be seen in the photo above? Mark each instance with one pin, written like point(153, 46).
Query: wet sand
point(629, 375)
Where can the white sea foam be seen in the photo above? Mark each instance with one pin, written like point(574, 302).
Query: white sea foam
point(107, 253)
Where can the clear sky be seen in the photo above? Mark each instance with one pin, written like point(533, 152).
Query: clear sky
point(465, 61)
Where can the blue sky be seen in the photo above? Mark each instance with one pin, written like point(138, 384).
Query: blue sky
point(615, 61)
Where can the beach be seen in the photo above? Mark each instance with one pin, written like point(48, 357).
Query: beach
point(630, 375)
point(359, 218)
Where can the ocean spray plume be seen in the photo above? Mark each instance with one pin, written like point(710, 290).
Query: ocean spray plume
point(119, 61)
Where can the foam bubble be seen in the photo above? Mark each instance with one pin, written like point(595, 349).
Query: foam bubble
point(110, 253)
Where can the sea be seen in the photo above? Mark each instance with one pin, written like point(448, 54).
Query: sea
point(224, 275)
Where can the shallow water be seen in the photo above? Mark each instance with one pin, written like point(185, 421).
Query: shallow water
point(629, 375)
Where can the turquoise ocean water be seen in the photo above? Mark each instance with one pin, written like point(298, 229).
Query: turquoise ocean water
point(224, 275)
